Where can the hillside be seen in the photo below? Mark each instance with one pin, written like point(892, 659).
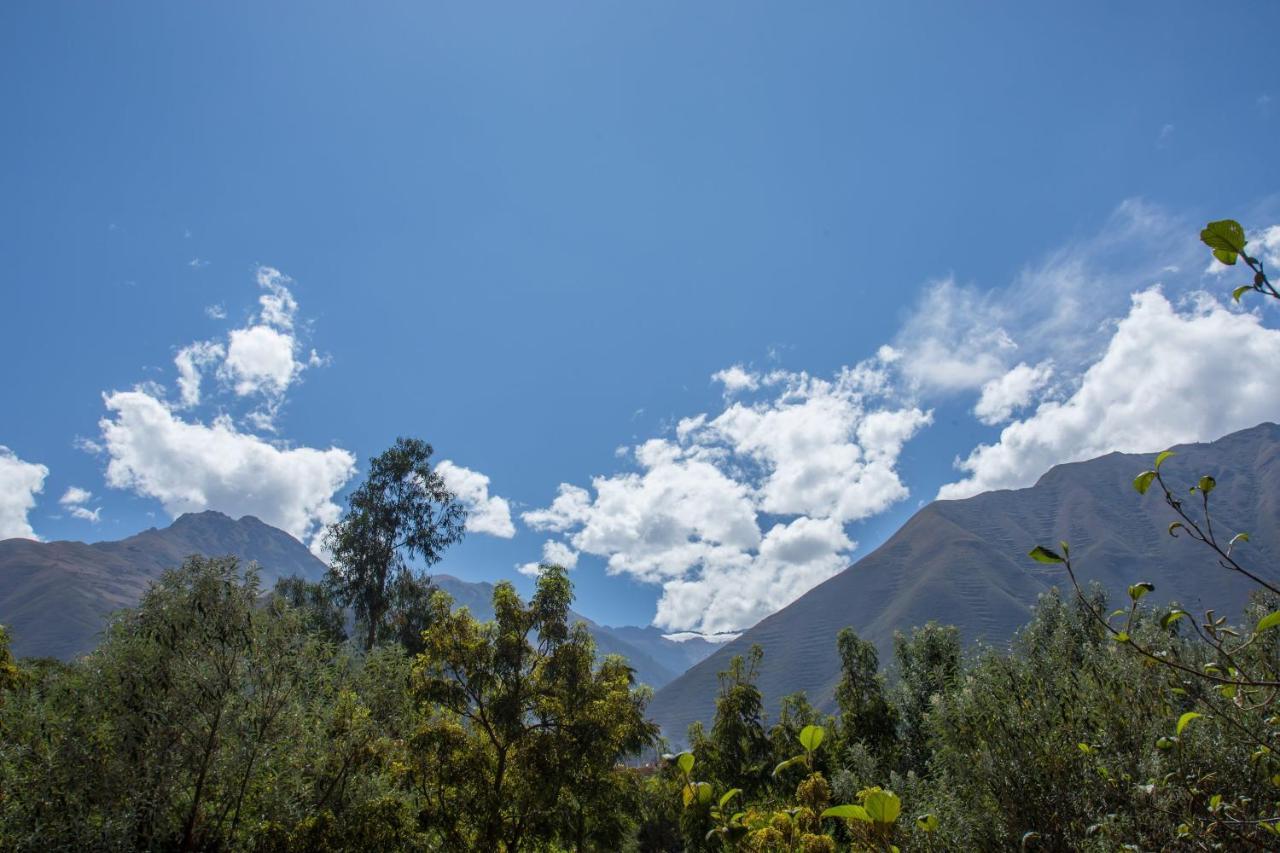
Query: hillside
point(963, 562)
point(55, 596)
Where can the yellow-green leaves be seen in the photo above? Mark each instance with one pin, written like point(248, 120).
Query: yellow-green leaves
point(1143, 481)
point(729, 795)
point(1206, 484)
point(1042, 554)
point(1137, 590)
point(882, 806)
point(1226, 238)
point(790, 762)
point(1163, 455)
point(1185, 720)
point(685, 762)
point(927, 823)
point(1172, 616)
point(699, 792)
point(847, 812)
point(1268, 622)
point(1240, 291)
point(811, 737)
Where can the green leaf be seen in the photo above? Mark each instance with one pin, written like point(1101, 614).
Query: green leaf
point(1042, 554)
point(1172, 616)
point(927, 823)
point(689, 793)
point(1163, 455)
point(1226, 234)
point(1239, 537)
point(882, 806)
point(1122, 637)
point(1137, 590)
point(1085, 748)
point(1185, 719)
point(1206, 484)
point(685, 762)
point(790, 762)
point(1227, 256)
point(728, 795)
point(1174, 526)
point(811, 737)
point(1240, 291)
point(1143, 481)
point(1166, 742)
point(847, 812)
point(1268, 622)
point(705, 794)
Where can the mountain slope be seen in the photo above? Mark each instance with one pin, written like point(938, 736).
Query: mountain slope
point(55, 596)
point(963, 562)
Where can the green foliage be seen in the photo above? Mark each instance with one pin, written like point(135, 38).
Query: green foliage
point(521, 730)
point(402, 510)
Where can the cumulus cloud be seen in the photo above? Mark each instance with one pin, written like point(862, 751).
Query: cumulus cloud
point(485, 513)
point(1006, 394)
point(161, 448)
point(191, 466)
point(554, 553)
point(258, 360)
point(20, 482)
point(75, 499)
point(745, 510)
point(1168, 375)
point(736, 378)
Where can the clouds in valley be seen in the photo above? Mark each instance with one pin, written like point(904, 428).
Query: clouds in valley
point(20, 482)
point(1109, 343)
point(743, 510)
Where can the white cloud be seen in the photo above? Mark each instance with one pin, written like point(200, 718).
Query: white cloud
point(736, 378)
point(485, 513)
point(191, 466)
point(73, 500)
point(191, 361)
point(1167, 376)
point(20, 482)
point(554, 553)
point(808, 457)
point(959, 338)
point(1006, 394)
point(259, 359)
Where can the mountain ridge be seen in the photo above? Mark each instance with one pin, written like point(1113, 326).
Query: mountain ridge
point(964, 562)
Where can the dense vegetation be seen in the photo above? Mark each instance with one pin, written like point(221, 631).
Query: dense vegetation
point(219, 716)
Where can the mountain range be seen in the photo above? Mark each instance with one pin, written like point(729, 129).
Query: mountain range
point(964, 563)
point(55, 597)
point(959, 562)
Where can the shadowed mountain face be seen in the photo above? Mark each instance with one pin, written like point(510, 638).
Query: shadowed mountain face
point(965, 563)
point(55, 596)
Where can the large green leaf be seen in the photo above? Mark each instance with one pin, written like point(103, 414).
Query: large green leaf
point(848, 813)
point(729, 795)
point(790, 762)
point(685, 762)
point(1143, 481)
point(1206, 484)
point(1224, 234)
point(811, 737)
point(1042, 554)
point(1137, 590)
point(882, 806)
point(1268, 622)
point(1162, 456)
point(1185, 720)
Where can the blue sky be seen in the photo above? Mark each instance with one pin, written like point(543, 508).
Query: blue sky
point(532, 234)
